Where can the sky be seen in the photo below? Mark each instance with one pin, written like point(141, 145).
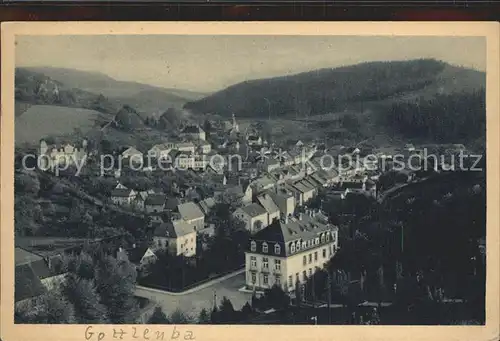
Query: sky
point(211, 63)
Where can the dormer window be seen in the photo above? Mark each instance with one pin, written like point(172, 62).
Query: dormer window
point(327, 236)
point(316, 241)
point(264, 247)
point(253, 246)
point(304, 245)
point(277, 249)
point(292, 247)
point(298, 246)
point(322, 238)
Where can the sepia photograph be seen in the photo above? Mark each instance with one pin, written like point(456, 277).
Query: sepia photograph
point(325, 178)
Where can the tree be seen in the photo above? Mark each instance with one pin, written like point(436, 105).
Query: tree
point(27, 183)
point(276, 298)
point(116, 284)
point(50, 308)
point(83, 294)
point(204, 317)
point(158, 317)
point(225, 312)
point(179, 317)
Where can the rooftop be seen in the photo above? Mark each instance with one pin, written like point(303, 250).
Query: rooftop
point(254, 210)
point(173, 229)
point(190, 211)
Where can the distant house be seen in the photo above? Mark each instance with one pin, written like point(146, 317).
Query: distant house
point(140, 256)
point(140, 200)
point(131, 154)
point(254, 216)
point(304, 191)
point(253, 140)
point(155, 203)
point(159, 151)
point(268, 165)
point(177, 237)
point(192, 214)
point(53, 155)
point(262, 183)
point(207, 205)
point(123, 196)
point(34, 276)
point(284, 199)
point(243, 192)
point(266, 201)
point(204, 147)
point(194, 132)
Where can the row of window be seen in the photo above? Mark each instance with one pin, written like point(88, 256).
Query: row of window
point(304, 276)
point(294, 246)
point(265, 247)
point(265, 263)
point(265, 279)
point(310, 256)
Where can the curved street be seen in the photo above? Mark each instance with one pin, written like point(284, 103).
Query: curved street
point(194, 300)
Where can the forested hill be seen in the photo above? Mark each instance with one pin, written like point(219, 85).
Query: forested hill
point(331, 90)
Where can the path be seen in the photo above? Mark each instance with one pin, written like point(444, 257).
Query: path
point(195, 299)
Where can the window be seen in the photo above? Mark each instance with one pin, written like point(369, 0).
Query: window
point(304, 275)
point(298, 246)
point(254, 278)
point(310, 258)
point(324, 253)
point(278, 281)
point(304, 260)
point(292, 248)
point(277, 249)
point(277, 264)
point(266, 279)
point(253, 246)
point(327, 237)
point(159, 242)
point(310, 272)
point(316, 241)
point(253, 261)
point(316, 256)
point(322, 238)
point(290, 281)
point(297, 277)
point(264, 247)
point(304, 245)
point(265, 262)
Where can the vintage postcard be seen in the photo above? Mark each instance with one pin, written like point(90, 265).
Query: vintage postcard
point(213, 181)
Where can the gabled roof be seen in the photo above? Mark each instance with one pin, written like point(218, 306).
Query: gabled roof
point(192, 129)
point(190, 211)
point(22, 256)
point(253, 210)
point(156, 199)
point(121, 192)
point(207, 204)
point(267, 202)
point(173, 229)
point(27, 283)
point(303, 187)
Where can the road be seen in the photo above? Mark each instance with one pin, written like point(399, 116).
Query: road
point(195, 299)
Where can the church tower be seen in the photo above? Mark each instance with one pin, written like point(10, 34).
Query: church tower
point(235, 127)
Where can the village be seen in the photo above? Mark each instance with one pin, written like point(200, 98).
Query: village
point(274, 193)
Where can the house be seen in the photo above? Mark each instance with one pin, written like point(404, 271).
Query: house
point(409, 147)
point(266, 201)
point(269, 164)
point(122, 195)
point(140, 199)
point(204, 147)
point(171, 204)
point(207, 205)
point(34, 276)
point(131, 154)
point(263, 183)
point(253, 140)
point(192, 214)
point(254, 216)
point(155, 203)
point(141, 256)
point(284, 199)
point(53, 155)
point(242, 192)
point(304, 191)
point(177, 237)
point(288, 253)
point(319, 180)
point(194, 132)
point(159, 151)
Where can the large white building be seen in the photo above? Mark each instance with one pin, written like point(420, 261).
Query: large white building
point(54, 155)
point(290, 251)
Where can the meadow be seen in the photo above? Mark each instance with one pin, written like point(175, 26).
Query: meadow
point(40, 121)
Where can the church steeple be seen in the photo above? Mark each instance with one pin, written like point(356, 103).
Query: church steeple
point(235, 127)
